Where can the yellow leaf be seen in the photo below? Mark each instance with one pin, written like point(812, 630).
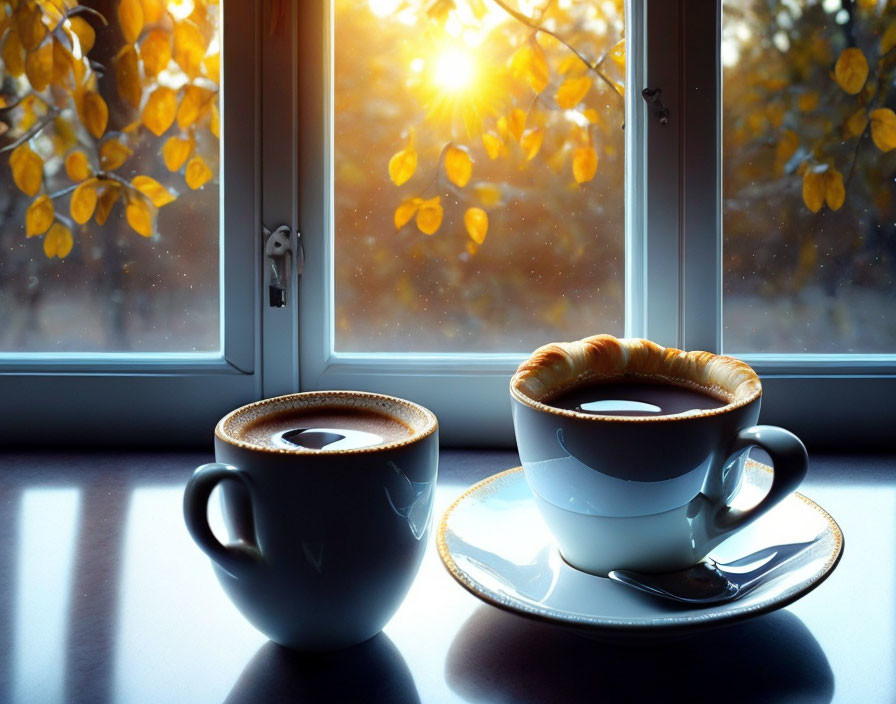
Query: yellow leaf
point(531, 142)
point(191, 105)
point(571, 64)
point(814, 183)
point(105, 201)
point(113, 154)
point(516, 123)
point(139, 216)
point(488, 194)
point(93, 111)
point(152, 189)
point(834, 192)
point(403, 164)
point(189, 47)
point(176, 151)
point(62, 63)
point(160, 109)
point(212, 66)
point(30, 29)
point(572, 91)
point(584, 164)
point(476, 222)
point(405, 211)
point(76, 165)
point(58, 241)
point(130, 19)
point(155, 50)
point(214, 124)
point(13, 59)
point(197, 173)
point(39, 66)
point(152, 10)
point(775, 113)
point(888, 39)
point(458, 165)
point(807, 102)
point(617, 54)
point(883, 128)
point(492, 144)
point(851, 70)
point(83, 201)
point(127, 75)
point(39, 216)
point(530, 64)
point(27, 169)
point(855, 124)
point(85, 33)
point(429, 216)
point(787, 146)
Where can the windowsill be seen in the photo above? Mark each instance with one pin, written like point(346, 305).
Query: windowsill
point(140, 616)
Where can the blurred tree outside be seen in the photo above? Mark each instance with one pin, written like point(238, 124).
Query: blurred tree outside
point(478, 173)
point(809, 165)
point(109, 125)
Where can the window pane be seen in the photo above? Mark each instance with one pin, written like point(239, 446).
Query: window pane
point(115, 127)
point(809, 167)
point(478, 174)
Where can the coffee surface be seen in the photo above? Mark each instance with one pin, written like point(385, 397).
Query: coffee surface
point(633, 398)
point(323, 428)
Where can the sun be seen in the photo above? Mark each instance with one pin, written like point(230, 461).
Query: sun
point(454, 70)
point(460, 86)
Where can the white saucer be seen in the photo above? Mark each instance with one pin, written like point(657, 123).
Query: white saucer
point(494, 542)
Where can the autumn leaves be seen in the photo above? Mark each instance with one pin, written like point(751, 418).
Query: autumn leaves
point(63, 121)
point(823, 184)
point(510, 131)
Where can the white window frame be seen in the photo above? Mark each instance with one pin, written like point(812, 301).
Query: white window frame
point(166, 399)
point(673, 253)
point(278, 134)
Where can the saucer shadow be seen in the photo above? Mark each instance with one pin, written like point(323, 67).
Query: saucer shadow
point(373, 671)
point(501, 657)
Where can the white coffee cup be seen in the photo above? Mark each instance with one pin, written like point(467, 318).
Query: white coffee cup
point(646, 493)
point(331, 539)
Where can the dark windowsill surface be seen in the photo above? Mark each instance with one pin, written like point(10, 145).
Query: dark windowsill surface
point(104, 597)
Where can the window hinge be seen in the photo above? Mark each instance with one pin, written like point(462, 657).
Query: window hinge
point(280, 250)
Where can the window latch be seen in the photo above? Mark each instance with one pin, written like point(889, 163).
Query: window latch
point(280, 250)
point(653, 96)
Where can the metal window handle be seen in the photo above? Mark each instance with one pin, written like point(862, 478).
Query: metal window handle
point(653, 96)
point(278, 252)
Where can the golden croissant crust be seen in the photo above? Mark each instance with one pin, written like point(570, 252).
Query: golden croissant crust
point(561, 365)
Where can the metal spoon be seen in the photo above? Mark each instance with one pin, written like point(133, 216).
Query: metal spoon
point(710, 582)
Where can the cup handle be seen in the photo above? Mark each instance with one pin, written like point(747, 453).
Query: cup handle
point(234, 559)
point(790, 463)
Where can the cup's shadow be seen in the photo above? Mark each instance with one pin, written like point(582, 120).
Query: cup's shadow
point(501, 657)
point(373, 671)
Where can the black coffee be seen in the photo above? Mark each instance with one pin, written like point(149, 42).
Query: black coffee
point(633, 398)
point(327, 428)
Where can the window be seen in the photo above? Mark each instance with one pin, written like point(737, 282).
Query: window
point(126, 285)
point(389, 249)
point(472, 179)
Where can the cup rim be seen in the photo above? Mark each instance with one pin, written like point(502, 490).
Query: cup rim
point(430, 426)
point(573, 357)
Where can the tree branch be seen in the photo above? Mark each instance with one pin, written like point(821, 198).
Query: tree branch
point(44, 121)
point(534, 25)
